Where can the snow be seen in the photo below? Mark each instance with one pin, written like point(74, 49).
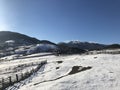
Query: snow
point(103, 75)
point(105, 51)
point(27, 50)
point(10, 41)
point(97, 78)
point(41, 48)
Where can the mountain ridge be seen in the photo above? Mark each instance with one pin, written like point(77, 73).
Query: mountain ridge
point(22, 39)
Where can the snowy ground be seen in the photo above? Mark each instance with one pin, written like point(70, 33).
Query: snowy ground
point(104, 73)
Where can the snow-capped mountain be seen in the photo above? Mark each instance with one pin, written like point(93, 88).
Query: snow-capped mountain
point(84, 45)
point(16, 43)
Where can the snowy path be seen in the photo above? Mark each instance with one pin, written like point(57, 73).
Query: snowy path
point(26, 81)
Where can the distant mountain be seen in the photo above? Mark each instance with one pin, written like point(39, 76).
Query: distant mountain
point(66, 49)
point(20, 39)
point(16, 43)
point(46, 42)
point(113, 46)
point(84, 45)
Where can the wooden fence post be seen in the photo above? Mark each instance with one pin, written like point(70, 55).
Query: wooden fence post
point(17, 77)
point(10, 81)
point(3, 83)
point(22, 77)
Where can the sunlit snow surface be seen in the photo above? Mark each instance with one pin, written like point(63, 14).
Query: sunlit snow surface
point(104, 74)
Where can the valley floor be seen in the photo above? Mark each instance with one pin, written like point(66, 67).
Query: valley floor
point(75, 72)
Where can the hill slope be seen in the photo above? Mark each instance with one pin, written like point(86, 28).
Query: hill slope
point(19, 39)
point(15, 43)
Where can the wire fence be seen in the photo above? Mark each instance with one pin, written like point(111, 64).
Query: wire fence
point(11, 80)
point(103, 52)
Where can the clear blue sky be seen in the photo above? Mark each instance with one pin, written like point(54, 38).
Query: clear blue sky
point(63, 20)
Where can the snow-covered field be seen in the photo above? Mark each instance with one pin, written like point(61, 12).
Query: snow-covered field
point(103, 74)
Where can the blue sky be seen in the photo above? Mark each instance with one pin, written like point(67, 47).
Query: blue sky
point(63, 20)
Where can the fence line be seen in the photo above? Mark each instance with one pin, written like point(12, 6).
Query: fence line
point(102, 52)
point(16, 68)
point(11, 80)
